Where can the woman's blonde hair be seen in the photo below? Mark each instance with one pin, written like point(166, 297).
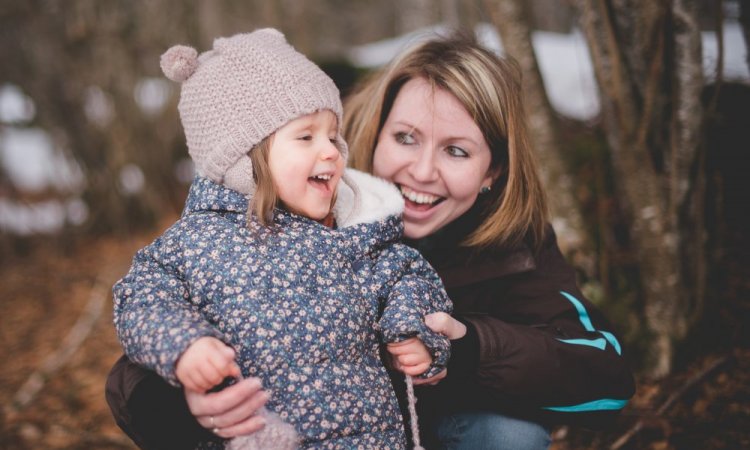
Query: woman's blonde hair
point(489, 88)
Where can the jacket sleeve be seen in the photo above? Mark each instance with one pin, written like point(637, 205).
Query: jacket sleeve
point(153, 314)
point(552, 350)
point(152, 413)
point(411, 289)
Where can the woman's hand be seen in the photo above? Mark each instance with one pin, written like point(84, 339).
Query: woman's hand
point(451, 328)
point(446, 325)
point(232, 411)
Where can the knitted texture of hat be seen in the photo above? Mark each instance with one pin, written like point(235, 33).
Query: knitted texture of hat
point(240, 92)
point(276, 435)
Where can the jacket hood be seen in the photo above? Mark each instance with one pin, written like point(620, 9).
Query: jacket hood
point(361, 198)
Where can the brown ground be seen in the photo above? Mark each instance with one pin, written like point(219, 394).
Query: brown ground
point(45, 294)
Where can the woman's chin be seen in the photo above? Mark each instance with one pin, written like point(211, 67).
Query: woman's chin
point(416, 230)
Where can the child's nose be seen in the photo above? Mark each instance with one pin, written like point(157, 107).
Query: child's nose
point(330, 151)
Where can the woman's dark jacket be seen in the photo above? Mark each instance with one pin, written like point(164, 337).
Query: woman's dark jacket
point(535, 348)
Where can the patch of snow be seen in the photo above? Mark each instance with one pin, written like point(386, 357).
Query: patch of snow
point(131, 179)
point(735, 53)
point(33, 164)
point(36, 218)
point(98, 106)
point(15, 106)
point(152, 94)
point(564, 61)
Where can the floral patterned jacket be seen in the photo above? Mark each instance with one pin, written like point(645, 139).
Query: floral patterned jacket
point(305, 306)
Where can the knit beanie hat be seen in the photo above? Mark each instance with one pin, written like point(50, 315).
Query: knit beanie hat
point(241, 92)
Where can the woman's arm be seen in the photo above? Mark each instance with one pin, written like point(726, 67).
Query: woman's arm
point(415, 290)
point(150, 411)
point(156, 415)
point(544, 346)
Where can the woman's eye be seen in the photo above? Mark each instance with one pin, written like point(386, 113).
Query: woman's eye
point(456, 151)
point(404, 138)
point(333, 140)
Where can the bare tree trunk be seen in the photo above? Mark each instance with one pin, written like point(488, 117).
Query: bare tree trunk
point(745, 23)
point(512, 21)
point(414, 14)
point(647, 61)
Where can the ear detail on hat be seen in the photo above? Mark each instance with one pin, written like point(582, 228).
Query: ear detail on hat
point(273, 32)
point(179, 62)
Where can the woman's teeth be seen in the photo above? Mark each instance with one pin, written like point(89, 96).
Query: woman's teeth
point(419, 198)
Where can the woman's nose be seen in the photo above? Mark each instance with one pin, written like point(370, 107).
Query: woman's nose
point(422, 168)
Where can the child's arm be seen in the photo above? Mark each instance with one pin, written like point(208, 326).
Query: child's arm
point(153, 314)
point(414, 291)
point(205, 364)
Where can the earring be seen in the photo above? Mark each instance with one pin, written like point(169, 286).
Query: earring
point(484, 189)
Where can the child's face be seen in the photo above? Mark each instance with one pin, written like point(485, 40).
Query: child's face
point(305, 164)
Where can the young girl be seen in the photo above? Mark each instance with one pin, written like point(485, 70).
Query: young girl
point(275, 269)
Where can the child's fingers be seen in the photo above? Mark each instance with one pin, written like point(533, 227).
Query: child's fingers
point(413, 359)
point(212, 374)
point(418, 369)
point(433, 380)
point(190, 385)
point(195, 382)
point(222, 363)
point(405, 346)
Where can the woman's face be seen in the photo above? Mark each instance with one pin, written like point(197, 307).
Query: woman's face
point(434, 152)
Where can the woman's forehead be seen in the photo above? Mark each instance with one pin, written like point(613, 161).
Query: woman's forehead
point(423, 105)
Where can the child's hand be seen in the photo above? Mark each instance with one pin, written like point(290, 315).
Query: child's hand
point(206, 363)
point(410, 356)
point(446, 325)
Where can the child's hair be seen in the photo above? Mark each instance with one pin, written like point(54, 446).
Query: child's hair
point(265, 198)
point(489, 88)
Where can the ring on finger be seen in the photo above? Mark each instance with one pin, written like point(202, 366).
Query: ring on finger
point(214, 428)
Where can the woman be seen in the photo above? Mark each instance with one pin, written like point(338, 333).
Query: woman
point(444, 122)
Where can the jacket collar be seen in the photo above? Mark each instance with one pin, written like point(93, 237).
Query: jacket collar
point(467, 268)
point(459, 265)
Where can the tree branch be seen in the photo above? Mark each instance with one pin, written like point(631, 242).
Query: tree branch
point(672, 399)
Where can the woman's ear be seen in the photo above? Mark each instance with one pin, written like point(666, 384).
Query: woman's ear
point(492, 175)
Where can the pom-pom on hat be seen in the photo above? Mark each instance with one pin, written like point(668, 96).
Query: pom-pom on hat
point(241, 92)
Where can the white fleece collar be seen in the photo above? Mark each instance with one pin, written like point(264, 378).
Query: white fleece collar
point(363, 198)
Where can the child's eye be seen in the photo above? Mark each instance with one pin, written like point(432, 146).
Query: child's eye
point(456, 151)
point(404, 138)
point(306, 137)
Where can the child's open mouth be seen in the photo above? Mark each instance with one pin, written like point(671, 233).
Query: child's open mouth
point(419, 201)
point(321, 181)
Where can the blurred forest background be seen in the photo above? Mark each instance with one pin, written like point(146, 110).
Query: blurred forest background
point(640, 112)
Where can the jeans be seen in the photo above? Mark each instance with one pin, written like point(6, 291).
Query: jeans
point(489, 431)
